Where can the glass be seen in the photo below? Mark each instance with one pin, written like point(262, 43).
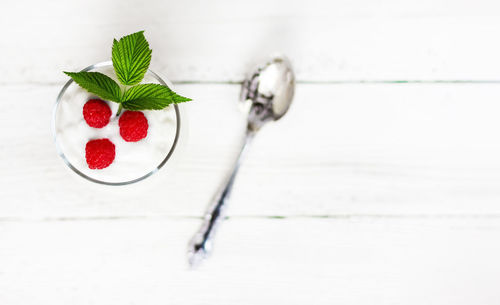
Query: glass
point(72, 151)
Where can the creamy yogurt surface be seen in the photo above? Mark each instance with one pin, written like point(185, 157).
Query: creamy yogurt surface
point(132, 159)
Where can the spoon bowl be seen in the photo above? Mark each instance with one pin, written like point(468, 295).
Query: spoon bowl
point(270, 90)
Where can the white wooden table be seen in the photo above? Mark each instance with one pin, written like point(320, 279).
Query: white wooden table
point(381, 185)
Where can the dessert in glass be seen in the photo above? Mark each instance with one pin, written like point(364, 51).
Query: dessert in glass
point(133, 161)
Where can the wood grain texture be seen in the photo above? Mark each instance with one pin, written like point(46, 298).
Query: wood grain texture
point(380, 186)
point(219, 40)
point(407, 149)
point(257, 261)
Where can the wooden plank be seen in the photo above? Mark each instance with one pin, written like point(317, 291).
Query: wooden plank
point(351, 149)
point(256, 261)
point(220, 40)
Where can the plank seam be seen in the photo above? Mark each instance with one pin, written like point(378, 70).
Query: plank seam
point(304, 82)
point(270, 217)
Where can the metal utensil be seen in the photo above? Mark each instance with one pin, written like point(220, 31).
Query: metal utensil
point(270, 91)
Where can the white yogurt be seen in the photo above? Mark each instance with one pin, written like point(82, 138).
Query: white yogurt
point(133, 159)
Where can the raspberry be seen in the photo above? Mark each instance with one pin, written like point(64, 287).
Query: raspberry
point(96, 113)
point(133, 126)
point(99, 153)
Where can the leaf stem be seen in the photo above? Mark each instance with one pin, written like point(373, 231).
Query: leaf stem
point(119, 110)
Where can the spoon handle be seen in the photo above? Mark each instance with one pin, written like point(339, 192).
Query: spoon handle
point(201, 244)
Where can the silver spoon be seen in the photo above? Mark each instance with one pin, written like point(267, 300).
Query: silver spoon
point(270, 90)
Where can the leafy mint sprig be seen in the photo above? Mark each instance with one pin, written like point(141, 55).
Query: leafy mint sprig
point(131, 57)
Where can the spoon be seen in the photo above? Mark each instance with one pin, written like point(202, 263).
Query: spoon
point(270, 92)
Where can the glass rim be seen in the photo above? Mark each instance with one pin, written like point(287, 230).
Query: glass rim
point(81, 174)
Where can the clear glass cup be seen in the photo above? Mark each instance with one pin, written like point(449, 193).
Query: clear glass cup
point(134, 161)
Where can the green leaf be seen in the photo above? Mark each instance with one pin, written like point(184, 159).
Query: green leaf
point(97, 83)
point(151, 97)
point(131, 57)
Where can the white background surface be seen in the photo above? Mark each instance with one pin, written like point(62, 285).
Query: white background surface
point(381, 185)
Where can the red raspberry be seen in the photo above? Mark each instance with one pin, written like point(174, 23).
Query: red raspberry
point(133, 126)
point(96, 113)
point(99, 153)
